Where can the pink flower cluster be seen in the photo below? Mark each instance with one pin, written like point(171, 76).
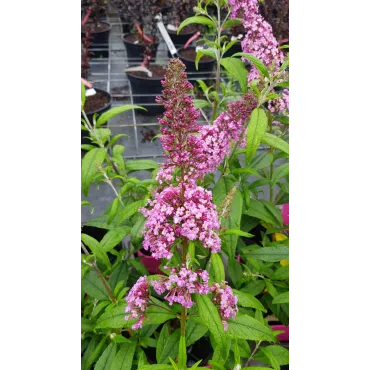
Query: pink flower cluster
point(180, 211)
point(227, 127)
point(280, 105)
point(181, 284)
point(259, 39)
point(179, 125)
point(196, 150)
point(138, 301)
point(226, 301)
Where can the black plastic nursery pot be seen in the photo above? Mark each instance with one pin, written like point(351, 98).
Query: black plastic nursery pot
point(92, 107)
point(182, 38)
point(135, 49)
point(99, 38)
point(145, 89)
point(188, 55)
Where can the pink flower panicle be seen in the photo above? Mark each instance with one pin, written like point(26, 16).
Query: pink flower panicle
point(226, 301)
point(183, 211)
point(179, 125)
point(227, 127)
point(137, 302)
point(196, 150)
point(259, 39)
point(181, 284)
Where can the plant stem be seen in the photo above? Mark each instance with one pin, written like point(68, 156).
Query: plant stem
point(218, 61)
point(109, 158)
point(253, 353)
point(100, 275)
point(272, 163)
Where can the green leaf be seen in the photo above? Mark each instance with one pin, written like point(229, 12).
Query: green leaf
point(94, 246)
point(232, 22)
point(129, 211)
point(280, 353)
point(246, 327)
point(86, 325)
point(194, 331)
point(203, 86)
point(106, 116)
point(236, 232)
point(170, 348)
point(217, 267)
point(141, 164)
point(280, 172)
point(235, 271)
point(196, 20)
point(247, 300)
point(139, 267)
point(158, 315)
point(113, 210)
point(86, 203)
point(236, 68)
point(99, 307)
point(196, 365)
point(113, 319)
point(89, 169)
point(273, 361)
point(136, 232)
point(211, 52)
point(199, 103)
point(115, 139)
point(93, 286)
point(90, 348)
point(100, 222)
point(282, 273)
point(256, 62)
point(120, 273)
point(261, 161)
point(211, 319)
point(265, 211)
point(256, 129)
point(254, 287)
point(156, 367)
point(182, 353)
point(124, 357)
point(83, 97)
point(114, 237)
point(106, 359)
point(255, 368)
point(101, 135)
point(275, 142)
point(281, 298)
point(270, 254)
point(162, 339)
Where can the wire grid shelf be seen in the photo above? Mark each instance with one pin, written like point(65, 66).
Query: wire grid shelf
point(108, 74)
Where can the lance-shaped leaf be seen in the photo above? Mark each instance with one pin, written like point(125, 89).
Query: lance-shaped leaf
point(256, 130)
point(89, 168)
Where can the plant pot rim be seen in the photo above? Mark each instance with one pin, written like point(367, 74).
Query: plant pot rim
point(138, 44)
point(109, 103)
point(180, 34)
point(193, 61)
point(110, 27)
point(147, 78)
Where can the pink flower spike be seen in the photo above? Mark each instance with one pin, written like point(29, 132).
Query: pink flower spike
point(226, 301)
point(138, 302)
